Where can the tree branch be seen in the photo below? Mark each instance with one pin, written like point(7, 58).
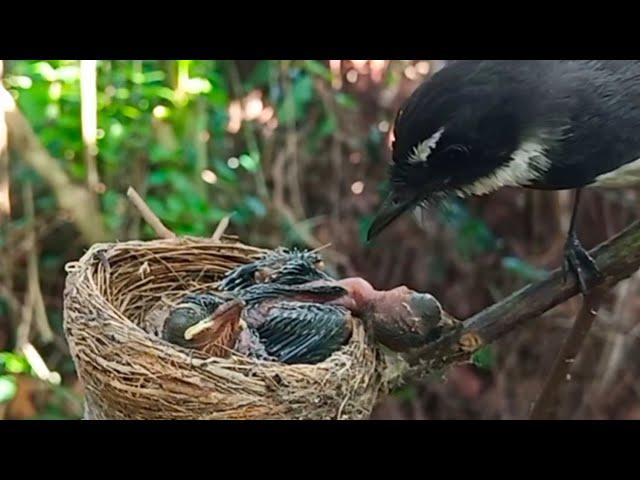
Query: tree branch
point(5, 201)
point(76, 200)
point(545, 407)
point(617, 259)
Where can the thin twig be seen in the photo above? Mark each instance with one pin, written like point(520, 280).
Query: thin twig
point(148, 215)
point(616, 349)
point(34, 307)
point(39, 366)
point(75, 199)
point(546, 407)
point(220, 229)
point(5, 199)
point(250, 136)
point(89, 119)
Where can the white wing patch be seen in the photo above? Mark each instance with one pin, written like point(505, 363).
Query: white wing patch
point(625, 176)
point(421, 151)
point(527, 164)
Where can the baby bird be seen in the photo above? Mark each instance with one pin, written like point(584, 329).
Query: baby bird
point(288, 267)
point(284, 308)
point(205, 322)
point(295, 323)
point(401, 318)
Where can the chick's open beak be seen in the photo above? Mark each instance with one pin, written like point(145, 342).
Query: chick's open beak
point(228, 312)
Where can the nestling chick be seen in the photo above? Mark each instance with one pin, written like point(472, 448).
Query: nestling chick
point(207, 323)
point(287, 267)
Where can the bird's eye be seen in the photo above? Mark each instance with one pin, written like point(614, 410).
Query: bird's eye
point(456, 150)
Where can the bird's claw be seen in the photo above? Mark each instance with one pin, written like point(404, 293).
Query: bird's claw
point(578, 260)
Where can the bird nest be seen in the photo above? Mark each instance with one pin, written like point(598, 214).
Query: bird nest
point(116, 299)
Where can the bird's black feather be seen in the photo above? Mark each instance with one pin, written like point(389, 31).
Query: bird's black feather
point(298, 332)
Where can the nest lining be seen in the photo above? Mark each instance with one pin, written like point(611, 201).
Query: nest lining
point(116, 299)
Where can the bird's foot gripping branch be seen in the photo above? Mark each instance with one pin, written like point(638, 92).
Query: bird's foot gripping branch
point(616, 259)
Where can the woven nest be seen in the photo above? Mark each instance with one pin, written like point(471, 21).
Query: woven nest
point(116, 299)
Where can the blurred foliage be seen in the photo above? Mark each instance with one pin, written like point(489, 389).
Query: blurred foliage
point(11, 364)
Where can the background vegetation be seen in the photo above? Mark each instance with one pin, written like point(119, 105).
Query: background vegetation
point(296, 151)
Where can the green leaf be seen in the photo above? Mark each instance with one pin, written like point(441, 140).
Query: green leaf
point(294, 105)
point(363, 227)
point(46, 70)
point(406, 393)
point(328, 126)
point(318, 68)
point(345, 100)
point(196, 86)
point(261, 74)
point(13, 363)
point(248, 162)
point(8, 388)
point(158, 177)
point(224, 172)
point(131, 112)
point(303, 90)
point(287, 110)
point(483, 358)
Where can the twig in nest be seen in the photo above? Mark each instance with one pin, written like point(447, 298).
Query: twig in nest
point(545, 407)
point(220, 229)
point(149, 217)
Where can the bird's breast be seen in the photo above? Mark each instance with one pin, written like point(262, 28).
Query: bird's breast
point(627, 175)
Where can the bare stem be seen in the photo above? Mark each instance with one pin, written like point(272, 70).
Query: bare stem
point(148, 215)
point(546, 407)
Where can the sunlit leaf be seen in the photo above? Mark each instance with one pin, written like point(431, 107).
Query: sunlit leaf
point(19, 81)
point(8, 388)
point(13, 363)
point(483, 358)
point(248, 162)
point(196, 86)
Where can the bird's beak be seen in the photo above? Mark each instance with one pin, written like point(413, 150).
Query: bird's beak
point(229, 312)
point(199, 327)
point(391, 209)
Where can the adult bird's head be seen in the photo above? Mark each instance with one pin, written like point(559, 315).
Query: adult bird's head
point(471, 128)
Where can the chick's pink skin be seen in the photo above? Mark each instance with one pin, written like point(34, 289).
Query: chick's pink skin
point(362, 298)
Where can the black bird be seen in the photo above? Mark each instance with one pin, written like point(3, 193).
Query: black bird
point(476, 126)
point(296, 323)
point(284, 266)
